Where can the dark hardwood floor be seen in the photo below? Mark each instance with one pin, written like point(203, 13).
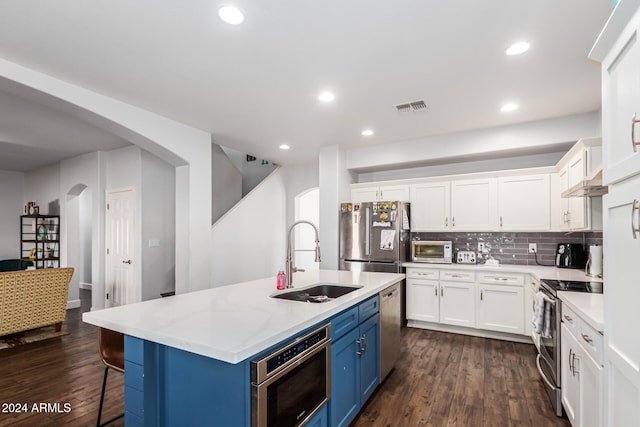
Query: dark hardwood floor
point(59, 370)
point(447, 380)
point(441, 380)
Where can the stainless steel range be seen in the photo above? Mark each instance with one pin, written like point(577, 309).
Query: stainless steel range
point(548, 359)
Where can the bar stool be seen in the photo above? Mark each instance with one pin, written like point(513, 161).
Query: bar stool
point(111, 346)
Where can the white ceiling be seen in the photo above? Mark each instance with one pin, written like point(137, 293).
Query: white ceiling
point(255, 86)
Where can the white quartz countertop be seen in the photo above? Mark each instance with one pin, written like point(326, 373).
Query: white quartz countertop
point(590, 307)
point(234, 322)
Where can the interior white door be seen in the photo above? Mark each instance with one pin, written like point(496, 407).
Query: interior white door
point(121, 285)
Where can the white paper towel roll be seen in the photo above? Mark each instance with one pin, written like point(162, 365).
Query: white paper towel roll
point(595, 260)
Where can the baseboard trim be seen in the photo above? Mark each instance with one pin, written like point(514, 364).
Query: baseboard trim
point(470, 331)
point(73, 304)
point(86, 286)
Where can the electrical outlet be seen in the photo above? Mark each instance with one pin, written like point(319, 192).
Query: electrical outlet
point(481, 247)
point(533, 248)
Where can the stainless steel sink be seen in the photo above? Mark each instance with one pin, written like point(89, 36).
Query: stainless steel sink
point(320, 292)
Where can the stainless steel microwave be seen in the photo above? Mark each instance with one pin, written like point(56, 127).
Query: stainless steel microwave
point(434, 251)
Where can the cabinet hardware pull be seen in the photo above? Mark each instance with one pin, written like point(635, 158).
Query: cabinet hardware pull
point(570, 361)
point(453, 221)
point(568, 318)
point(635, 206)
point(436, 290)
point(503, 279)
point(587, 338)
point(481, 293)
point(500, 221)
point(634, 144)
point(359, 351)
point(364, 343)
point(441, 292)
point(446, 221)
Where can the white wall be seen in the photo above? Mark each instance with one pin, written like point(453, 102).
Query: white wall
point(334, 179)
point(519, 162)
point(158, 226)
point(520, 139)
point(298, 178)
point(43, 185)
point(247, 243)
point(11, 190)
point(85, 201)
point(226, 183)
point(186, 148)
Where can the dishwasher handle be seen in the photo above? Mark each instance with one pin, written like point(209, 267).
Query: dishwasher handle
point(388, 294)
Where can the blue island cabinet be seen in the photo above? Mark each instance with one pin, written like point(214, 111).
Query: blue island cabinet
point(355, 360)
point(165, 386)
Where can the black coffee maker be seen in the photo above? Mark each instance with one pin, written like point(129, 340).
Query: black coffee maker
point(571, 255)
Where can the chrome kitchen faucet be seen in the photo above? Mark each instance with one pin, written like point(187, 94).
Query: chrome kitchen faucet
point(290, 268)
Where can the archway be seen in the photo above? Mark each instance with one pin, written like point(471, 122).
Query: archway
point(78, 223)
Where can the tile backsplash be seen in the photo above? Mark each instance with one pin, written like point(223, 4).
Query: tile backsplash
point(513, 248)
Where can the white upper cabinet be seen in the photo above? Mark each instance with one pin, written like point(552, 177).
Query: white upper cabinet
point(581, 161)
point(621, 105)
point(474, 205)
point(524, 203)
point(430, 206)
point(373, 193)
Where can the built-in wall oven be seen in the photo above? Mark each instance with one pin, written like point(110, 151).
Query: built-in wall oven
point(548, 358)
point(292, 383)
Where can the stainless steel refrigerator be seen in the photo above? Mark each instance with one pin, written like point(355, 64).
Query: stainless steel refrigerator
point(374, 236)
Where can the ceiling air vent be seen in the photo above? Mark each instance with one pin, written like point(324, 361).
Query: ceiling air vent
point(411, 107)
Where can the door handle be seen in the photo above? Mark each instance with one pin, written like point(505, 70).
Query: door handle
point(127, 262)
point(634, 144)
point(635, 206)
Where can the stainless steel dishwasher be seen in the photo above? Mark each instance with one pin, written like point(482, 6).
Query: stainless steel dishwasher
point(389, 328)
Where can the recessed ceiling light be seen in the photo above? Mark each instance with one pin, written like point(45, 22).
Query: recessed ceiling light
point(231, 15)
point(326, 97)
point(284, 147)
point(367, 132)
point(518, 48)
point(506, 108)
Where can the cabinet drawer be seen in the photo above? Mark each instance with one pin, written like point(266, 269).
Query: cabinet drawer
point(423, 273)
point(501, 278)
point(570, 320)
point(592, 341)
point(457, 276)
point(344, 322)
point(368, 308)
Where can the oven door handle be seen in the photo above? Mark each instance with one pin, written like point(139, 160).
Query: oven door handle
point(544, 377)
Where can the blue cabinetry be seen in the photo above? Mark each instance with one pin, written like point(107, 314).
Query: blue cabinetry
point(355, 360)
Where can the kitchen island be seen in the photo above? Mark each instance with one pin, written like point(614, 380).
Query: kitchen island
point(188, 356)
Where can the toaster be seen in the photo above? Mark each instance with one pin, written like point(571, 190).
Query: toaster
point(466, 257)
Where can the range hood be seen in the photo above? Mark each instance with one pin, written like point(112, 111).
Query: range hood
point(591, 186)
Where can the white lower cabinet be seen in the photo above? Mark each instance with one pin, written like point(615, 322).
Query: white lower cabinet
point(501, 302)
point(457, 304)
point(450, 301)
point(582, 372)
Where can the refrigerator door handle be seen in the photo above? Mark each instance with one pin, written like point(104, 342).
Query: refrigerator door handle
point(367, 241)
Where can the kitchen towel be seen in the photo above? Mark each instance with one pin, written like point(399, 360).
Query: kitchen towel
point(538, 313)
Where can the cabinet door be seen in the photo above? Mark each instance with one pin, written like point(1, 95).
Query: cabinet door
point(563, 176)
point(345, 379)
point(577, 205)
point(622, 346)
point(369, 357)
point(591, 375)
point(422, 300)
point(393, 193)
point(569, 375)
point(430, 206)
point(620, 102)
point(524, 203)
point(364, 194)
point(457, 304)
point(501, 308)
point(474, 205)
